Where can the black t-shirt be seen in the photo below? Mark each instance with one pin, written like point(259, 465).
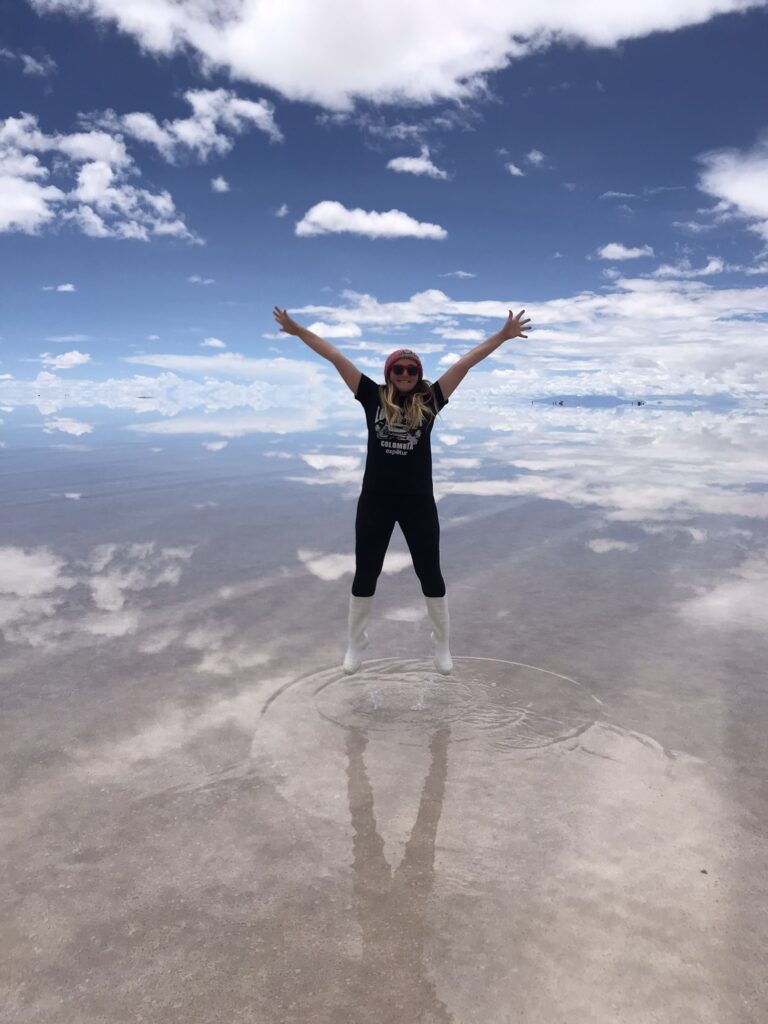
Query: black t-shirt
point(399, 459)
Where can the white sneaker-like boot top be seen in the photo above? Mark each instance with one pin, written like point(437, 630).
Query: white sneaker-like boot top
point(437, 608)
point(359, 613)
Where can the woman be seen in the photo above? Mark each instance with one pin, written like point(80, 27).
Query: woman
point(397, 484)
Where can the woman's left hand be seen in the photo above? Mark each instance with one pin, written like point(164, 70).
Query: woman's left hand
point(514, 326)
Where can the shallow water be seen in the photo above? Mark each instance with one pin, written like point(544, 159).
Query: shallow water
point(205, 818)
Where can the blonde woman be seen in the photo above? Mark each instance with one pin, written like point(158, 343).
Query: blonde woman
point(397, 483)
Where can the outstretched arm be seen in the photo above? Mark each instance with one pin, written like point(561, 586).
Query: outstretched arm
point(289, 326)
point(453, 376)
point(349, 372)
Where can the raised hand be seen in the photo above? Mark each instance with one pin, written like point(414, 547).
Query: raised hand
point(514, 326)
point(286, 324)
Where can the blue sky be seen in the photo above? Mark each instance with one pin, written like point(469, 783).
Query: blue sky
point(166, 179)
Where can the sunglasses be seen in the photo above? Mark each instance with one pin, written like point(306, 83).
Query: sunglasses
point(397, 369)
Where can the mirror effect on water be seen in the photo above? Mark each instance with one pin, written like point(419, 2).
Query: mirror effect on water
point(188, 767)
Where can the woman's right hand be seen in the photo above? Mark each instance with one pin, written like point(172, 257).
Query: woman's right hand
point(286, 324)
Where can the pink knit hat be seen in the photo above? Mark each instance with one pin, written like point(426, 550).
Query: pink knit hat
point(402, 353)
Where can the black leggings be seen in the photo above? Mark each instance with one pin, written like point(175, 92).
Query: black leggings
point(375, 521)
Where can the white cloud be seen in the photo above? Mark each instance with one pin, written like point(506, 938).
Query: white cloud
point(37, 66)
point(282, 211)
point(196, 279)
point(644, 193)
point(535, 157)
point(222, 365)
point(265, 420)
point(225, 661)
point(374, 122)
point(201, 133)
point(695, 227)
point(617, 251)
point(684, 269)
point(327, 567)
point(91, 224)
point(103, 606)
point(219, 184)
point(323, 462)
point(330, 567)
point(341, 330)
point(514, 170)
point(458, 334)
point(92, 147)
point(215, 446)
point(67, 426)
point(101, 203)
point(68, 338)
point(141, 567)
point(737, 603)
point(602, 544)
point(437, 52)
point(738, 180)
point(458, 273)
point(26, 205)
point(31, 573)
point(115, 624)
point(329, 217)
point(31, 66)
point(269, 384)
point(66, 360)
point(417, 165)
point(58, 288)
point(153, 337)
point(212, 343)
point(694, 532)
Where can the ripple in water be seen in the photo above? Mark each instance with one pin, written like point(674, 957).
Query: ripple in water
point(503, 704)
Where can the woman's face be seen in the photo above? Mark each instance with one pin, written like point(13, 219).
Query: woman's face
point(404, 382)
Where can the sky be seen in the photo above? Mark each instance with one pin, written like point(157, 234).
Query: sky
point(169, 173)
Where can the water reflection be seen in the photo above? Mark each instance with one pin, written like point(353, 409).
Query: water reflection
point(390, 981)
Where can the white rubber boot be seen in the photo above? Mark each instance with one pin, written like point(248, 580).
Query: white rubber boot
point(359, 613)
point(437, 607)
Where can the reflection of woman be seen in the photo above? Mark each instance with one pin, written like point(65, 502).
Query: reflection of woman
point(397, 484)
point(390, 981)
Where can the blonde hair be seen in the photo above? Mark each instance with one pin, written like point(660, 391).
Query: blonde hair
point(415, 408)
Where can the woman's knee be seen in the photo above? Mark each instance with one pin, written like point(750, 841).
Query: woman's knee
point(364, 582)
point(432, 583)
point(364, 588)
